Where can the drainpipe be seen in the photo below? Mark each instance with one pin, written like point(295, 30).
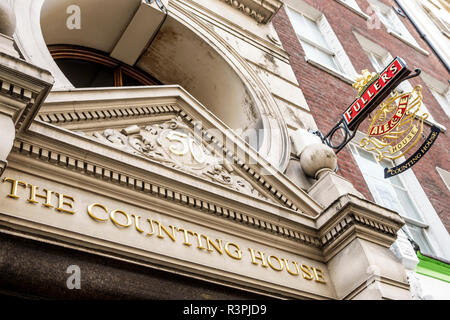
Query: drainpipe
point(423, 36)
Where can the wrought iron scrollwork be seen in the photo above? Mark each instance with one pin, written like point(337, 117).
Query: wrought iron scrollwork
point(349, 131)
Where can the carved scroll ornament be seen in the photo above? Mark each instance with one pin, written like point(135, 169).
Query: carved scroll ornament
point(172, 144)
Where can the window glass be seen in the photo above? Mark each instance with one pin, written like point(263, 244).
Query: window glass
point(313, 33)
point(443, 100)
point(297, 21)
point(376, 61)
point(418, 235)
point(312, 39)
point(391, 20)
point(391, 193)
point(351, 3)
point(318, 55)
point(85, 68)
point(129, 81)
point(388, 22)
point(85, 74)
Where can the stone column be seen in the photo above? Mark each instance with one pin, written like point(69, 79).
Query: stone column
point(356, 235)
point(23, 86)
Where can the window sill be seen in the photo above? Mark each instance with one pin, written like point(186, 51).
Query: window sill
point(355, 10)
point(434, 123)
point(346, 78)
point(409, 43)
point(415, 222)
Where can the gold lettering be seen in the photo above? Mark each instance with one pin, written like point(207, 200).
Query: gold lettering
point(14, 184)
point(286, 263)
point(199, 241)
point(261, 257)
point(281, 265)
point(186, 236)
point(61, 203)
point(217, 247)
point(34, 194)
point(112, 216)
point(306, 272)
point(92, 215)
point(318, 274)
point(150, 221)
point(237, 253)
point(136, 223)
point(162, 228)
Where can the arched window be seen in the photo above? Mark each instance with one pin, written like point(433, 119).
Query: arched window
point(86, 68)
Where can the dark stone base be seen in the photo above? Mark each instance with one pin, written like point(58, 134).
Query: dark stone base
point(35, 270)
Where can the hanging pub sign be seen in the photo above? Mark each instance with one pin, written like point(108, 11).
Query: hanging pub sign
point(397, 125)
point(396, 128)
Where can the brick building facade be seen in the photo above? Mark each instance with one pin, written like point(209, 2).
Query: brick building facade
point(328, 95)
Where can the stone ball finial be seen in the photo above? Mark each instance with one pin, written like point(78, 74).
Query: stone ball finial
point(317, 159)
point(7, 19)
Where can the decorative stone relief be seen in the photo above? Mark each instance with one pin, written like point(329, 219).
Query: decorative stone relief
point(261, 11)
point(173, 144)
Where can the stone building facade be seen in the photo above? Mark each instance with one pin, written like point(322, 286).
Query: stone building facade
point(160, 149)
point(361, 35)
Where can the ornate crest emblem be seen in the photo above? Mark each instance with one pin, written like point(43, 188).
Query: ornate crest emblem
point(397, 126)
point(364, 80)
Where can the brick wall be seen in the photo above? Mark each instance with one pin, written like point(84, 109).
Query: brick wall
point(328, 96)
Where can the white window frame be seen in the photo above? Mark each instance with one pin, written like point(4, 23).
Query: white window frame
point(398, 30)
point(437, 14)
point(436, 233)
point(445, 176)
point(443, 99)
point(371, 48)
point(420, 222)
point(346, 70)
point(353, 6)
point(440, 91)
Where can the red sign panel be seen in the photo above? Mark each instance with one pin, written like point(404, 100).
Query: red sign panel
point(388, 76)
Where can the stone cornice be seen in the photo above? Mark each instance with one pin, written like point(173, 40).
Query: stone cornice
point(85, 169)
point(260, 10)
point(350, 217)
point(101, 106)
point(23, 88)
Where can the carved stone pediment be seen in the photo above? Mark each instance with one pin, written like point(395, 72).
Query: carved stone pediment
point(167, 126)
point(260, 10)
point(173, 144)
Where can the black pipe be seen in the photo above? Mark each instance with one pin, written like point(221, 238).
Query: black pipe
point(424, 36)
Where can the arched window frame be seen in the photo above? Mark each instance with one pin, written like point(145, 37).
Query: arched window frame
point(95, 56)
